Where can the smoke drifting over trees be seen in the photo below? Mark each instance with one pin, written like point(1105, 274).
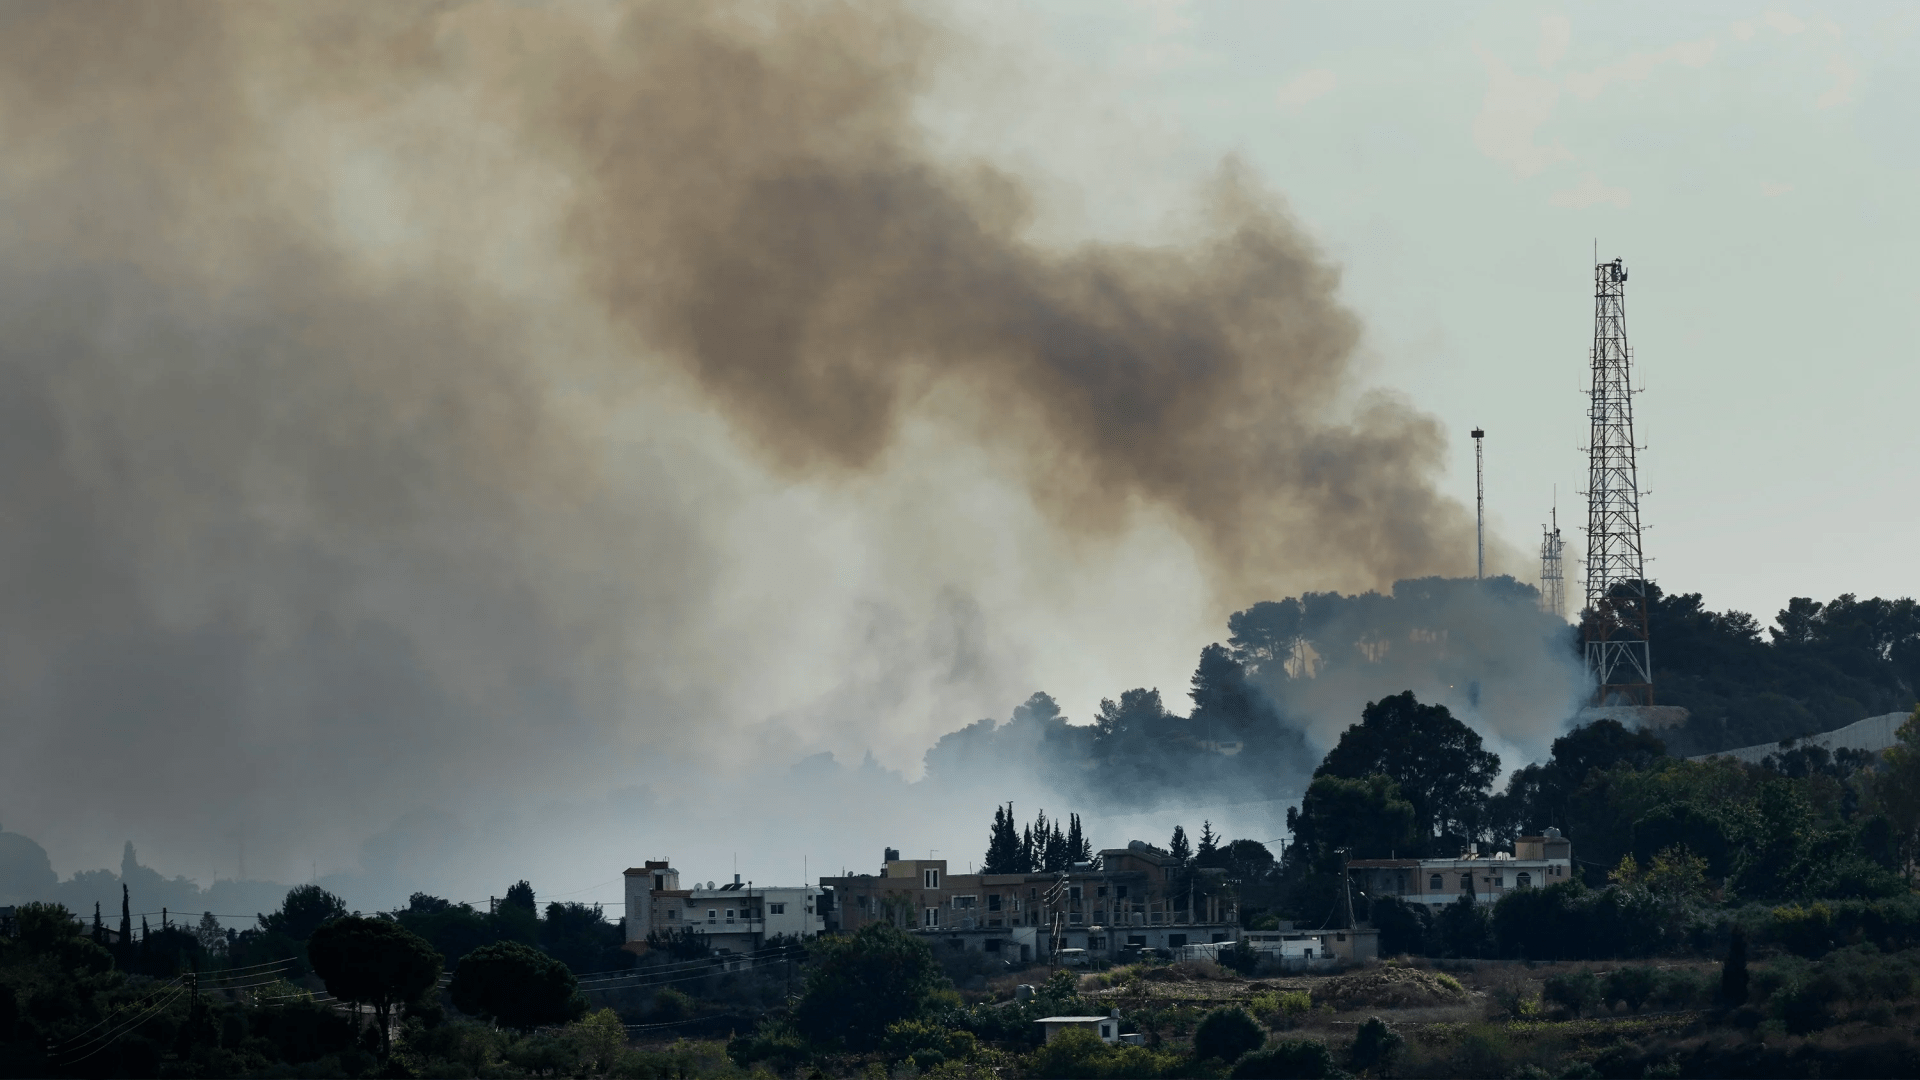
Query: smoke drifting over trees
point(396, 401)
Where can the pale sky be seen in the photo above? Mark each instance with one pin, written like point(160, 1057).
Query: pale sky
point(1753, 164)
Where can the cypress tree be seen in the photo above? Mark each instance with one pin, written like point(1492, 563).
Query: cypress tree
point(1026, 851)
point(1079, 849)
point(1733, 974)
point(99, 931)
point(1003, 844)
point(126, 918)
point(1178, 847)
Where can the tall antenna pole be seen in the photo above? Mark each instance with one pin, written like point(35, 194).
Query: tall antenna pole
point(1553, 588)
point(1479, 509)
point(1614, 624)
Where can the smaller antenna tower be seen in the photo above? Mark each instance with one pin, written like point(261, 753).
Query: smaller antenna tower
point(1479, 509)
point(1553, 586)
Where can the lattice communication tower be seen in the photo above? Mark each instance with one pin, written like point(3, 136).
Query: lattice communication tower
point(1614, 624)
point(1553, 583)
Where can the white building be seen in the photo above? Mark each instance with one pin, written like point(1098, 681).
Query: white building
point(737, 917)
point(1535, 862)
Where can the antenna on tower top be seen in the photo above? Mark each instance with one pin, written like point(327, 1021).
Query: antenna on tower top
point(1614, 624)
point(1553, 589)
point(1479, 510)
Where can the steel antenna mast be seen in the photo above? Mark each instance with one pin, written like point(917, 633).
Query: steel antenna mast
point(1479, 509)
point(1553, 587)
point(1614, 623)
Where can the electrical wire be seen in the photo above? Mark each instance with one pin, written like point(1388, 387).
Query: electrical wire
point(139, 1004)
point(109, 1038)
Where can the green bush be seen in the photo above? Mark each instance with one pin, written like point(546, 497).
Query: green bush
point(1078, 1053)
point(1574, 991)
point(863, 984)
point(1227, 1034)
point(1375, 1047)
point(1291, 1059)
point(1633, 986)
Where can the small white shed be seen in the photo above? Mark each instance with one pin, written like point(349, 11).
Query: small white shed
point(1106, 1027)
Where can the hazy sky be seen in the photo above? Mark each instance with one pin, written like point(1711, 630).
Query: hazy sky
point(1752, 163)
point(469, 442)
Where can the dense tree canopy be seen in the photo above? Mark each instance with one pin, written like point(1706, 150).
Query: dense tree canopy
point(1436, 761)
point(373, 962)
point(1824, 665)
point(863, 983)
point(305, 908)
point(1368, 816)
point(517, 986)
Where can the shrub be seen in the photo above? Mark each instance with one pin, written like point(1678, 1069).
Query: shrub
point(1292, 1059)
point(1080, 1053)
point(670, 1004)
point(1631, 985)
point(1806, 1005)
point(1375, 1046)
point(1227, 1034)
point(1682, 989)
point(1574, 991)
point(1513, 995)
point(1807, 931)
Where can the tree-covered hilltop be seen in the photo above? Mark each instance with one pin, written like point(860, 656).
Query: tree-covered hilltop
point(1822, 666)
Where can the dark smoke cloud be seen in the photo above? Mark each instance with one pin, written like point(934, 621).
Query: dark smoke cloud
point(758, 202)
point(327, 334)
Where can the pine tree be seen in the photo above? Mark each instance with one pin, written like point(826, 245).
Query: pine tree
point(1003, 844)
point(1056, 850)
point(1209, 852)
point(1042, 832)
point(1079, 848)
point(1178, 847)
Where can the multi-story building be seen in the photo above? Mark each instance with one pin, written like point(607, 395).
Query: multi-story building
point(1535, 862)
point(1139, 898)
point(737, 917)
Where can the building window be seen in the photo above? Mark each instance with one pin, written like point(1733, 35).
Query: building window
point(1073, 892)
point(1522, 880)
point(993, 901)
point(1175, 941)
point(712, 914)
point(1466, 882)
point(931, 877)
point(1499, 881)
point(1433, 884)
point(1074, 918)
point(673, 913)
point(931, 918)
point(1106, 1031)
point(993, 944)
point(729, 914)
point(777, 909)
point(964, 901)
point(1033, 893)
point(1119, 892)
point(1101, 891)
point(659, 882)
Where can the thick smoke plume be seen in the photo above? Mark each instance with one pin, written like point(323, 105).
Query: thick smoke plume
point(369, 377)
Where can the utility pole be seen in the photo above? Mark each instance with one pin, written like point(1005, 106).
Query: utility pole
point(1479, 509)
point(1346, 883)
point(1614, 623)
